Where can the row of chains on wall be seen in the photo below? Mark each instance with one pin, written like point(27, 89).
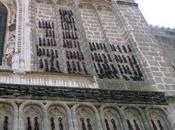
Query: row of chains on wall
point(106, 67)
point(127, 62)
point(124, 61)
point(158, 125)
point(47, 50)
point(33, 126)
point(131, 127)
point(108, 122)
point(5, 123)
point(86, 124)
point(102, 61)
point(74, 56)
point(53, 123)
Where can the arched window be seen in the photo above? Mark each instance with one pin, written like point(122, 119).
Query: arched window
point(133, 119)
point(6, 117)
point(3, 20)
point(158, 120)
point(111, 118)
point(33, 117)
point(86, 119)
point(57, 118)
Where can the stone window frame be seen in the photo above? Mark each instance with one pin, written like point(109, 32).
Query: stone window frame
point(164, 113)
point(139, 112)
point(89, 106)
point(22, 117)
point(65, 107)
point(18, 47)
point(14, 108)
point(119, 115)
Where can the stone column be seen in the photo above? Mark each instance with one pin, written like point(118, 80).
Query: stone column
point(18, 61)
point(15, 120)
point(26, 56)
point(171, 111)
point(45, 120)
point(145, 121)
point(121, 112)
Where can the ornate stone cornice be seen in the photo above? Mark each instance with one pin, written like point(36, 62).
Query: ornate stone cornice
point(81, 94)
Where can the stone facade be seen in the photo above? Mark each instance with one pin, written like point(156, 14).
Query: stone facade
point(84, 65)
point(72, 114)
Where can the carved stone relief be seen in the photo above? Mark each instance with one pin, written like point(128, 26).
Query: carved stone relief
point(9, 45)
point(57, 118)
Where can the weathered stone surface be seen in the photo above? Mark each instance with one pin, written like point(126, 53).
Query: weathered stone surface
point(29, 95)
point(79, 94)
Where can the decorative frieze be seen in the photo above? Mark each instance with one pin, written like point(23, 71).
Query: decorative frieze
point(80, 94)
point(49, 80)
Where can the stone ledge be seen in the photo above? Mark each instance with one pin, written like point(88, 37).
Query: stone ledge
point(48, 79)
point(81, 95)
point(127, 3)
point(5, 69)
point(59, 74)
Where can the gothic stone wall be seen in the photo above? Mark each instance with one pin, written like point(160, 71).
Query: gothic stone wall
point(114, 22)
point(166, 42)
point(22, 114)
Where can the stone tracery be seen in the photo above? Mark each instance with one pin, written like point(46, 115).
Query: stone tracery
point(33, 117)
point(133, 119)
point(12, 10)
point(6, 117)
point(158, 120)
point(57, 115)
point(86, 118)
point(57, 118)
point(111, 119)
point(10, 36)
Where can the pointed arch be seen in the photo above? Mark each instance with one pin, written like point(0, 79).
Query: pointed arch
point(85, 115)
point(111, 117)
point(58, 115)
point(32, 114)
point(3, 23)
point(9, 110)
point(134, 117)
point(158, 118)
point(14, 26)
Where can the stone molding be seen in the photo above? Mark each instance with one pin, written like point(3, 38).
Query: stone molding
point(71, 107)
point(118, 111)
point(48, 79)
point(81, 94)
point(21, 111)
point(89, 106)
point(127, 3)
point(163, 111)
point(17, 61)
point(15, 110)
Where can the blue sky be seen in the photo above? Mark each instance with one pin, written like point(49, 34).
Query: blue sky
point(158, 12)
